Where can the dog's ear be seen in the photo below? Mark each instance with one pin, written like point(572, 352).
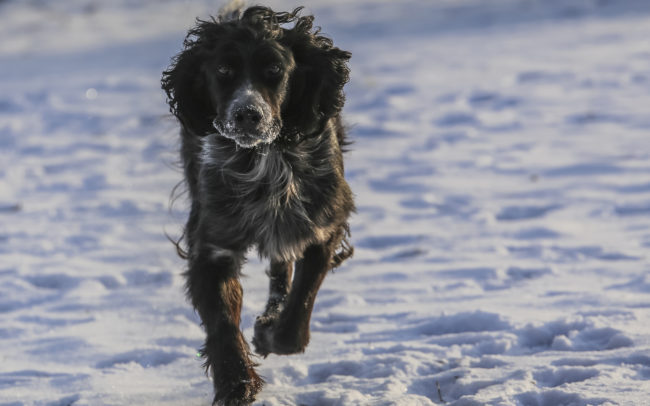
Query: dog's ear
point(185, 86)
point(316, 86)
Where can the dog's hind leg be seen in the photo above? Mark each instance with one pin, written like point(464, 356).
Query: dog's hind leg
point(288, 333)
point(214, 289)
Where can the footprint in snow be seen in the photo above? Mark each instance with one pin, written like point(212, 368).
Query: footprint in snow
point(578, 335)
point(556, 397)
point(514, 213)
point(145, 358)
point(454, 119)
point(388, 241)
point(553, 377)
point(492, 100)
point(54, 281)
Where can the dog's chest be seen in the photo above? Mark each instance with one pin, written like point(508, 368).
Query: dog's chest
point(268, 199)
point(276, 206)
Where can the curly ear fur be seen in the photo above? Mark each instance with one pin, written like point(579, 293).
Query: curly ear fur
point(316, 88)
point(185, 88)
point(184, 82)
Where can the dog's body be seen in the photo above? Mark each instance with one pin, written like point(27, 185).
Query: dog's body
point(262, 152)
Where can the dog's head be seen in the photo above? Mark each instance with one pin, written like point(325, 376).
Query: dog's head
point(250, 79)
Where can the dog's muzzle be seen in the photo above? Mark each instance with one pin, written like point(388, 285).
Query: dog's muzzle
point(248, 120)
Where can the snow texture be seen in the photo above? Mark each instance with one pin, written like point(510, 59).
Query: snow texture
point(501, 167)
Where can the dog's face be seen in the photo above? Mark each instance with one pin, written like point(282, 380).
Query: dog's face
point(247, 82)
point(249, 79)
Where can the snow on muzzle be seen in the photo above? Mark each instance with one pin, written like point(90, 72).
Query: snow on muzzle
point(248, 120)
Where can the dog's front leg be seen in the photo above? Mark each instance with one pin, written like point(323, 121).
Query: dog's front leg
point(215, 291)
point(289, 331)
point(279, 285)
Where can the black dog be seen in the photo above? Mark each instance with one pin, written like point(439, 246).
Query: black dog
point(262, 145)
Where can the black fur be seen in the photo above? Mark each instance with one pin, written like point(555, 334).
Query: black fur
point(262, 143)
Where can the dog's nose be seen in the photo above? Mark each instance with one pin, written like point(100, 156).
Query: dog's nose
point(248, 117)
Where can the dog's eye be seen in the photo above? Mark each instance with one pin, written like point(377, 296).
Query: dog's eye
point(273, 70)
point(224, 70)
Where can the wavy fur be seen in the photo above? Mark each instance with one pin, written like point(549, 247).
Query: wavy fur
point(258, 95)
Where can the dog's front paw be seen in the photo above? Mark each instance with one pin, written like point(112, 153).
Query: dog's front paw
point(263, 336)
point(272, 335)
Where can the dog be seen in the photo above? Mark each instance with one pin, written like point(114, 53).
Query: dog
point(258, 95)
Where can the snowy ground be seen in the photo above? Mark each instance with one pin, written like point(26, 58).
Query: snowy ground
point(502, 172)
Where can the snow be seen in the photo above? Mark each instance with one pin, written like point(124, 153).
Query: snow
point(501, 167)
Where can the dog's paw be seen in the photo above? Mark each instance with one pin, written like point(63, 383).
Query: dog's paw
point(234, 389)
point(263, 335)
point(274, 336)
point(236, 383)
